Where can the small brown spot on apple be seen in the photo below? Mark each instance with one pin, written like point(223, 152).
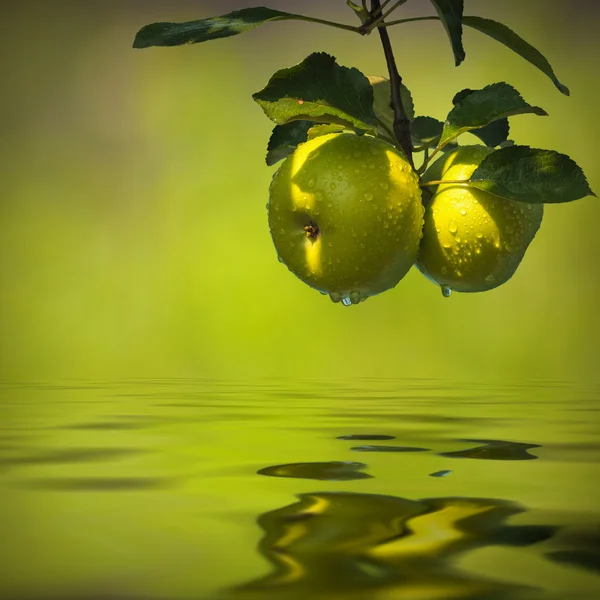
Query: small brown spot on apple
point(312, 231)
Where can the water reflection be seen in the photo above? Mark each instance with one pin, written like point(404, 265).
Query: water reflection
point(442, 473)
point(150, 489)
point(360, 546)
point(96, 484)
point(328, 471)
point(68, 455)
point(388, 449)
point(366, 437)
point(495, 450)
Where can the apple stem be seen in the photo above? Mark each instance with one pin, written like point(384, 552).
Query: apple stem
point(401, 121)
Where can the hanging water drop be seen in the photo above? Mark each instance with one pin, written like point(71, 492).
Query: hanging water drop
point(446, 291)
point(346, 301)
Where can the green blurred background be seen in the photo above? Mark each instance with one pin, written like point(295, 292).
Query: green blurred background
point(133, 225)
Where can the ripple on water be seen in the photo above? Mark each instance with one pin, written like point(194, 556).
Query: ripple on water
point(388, 449)
point(494, 450)
point(352, 545)
point(366, 437)
point(329, 471)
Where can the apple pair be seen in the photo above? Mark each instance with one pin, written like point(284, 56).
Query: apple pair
point(346, 216)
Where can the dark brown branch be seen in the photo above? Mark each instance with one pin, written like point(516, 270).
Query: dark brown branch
point(401, 122)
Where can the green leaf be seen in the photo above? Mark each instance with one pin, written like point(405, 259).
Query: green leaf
point(450, 13)
point(382, 98)
point(528, 175)
point(285, 139)
point(323, 129)
point(192, 32)
point(426, 131)
point(491, 135)
point(481, 107)
point(318, 89)
point(509, 38)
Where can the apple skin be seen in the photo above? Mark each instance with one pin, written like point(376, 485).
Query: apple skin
point(472, 241)
point(345, 215)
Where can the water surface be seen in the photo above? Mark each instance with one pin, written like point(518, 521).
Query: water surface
point(279, 489)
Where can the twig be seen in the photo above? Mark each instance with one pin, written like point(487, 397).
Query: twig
point(410, 20)
point(330, 23)
point(401, 122)
point(383, 15)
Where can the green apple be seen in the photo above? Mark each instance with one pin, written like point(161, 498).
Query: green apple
point(345, 215)
point(472, 241)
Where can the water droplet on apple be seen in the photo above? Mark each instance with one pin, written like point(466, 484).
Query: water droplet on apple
point(311, 183)
point(452, 227)
point(332, 186)
point(463, 211)
point(444, 270)
point(357, 154)
point(354, 297)
point(384, 185)
point(490, 278)
point(368, 196)
point(479, 235)
point(335, 297)
point(346, 301)
point(446, 291)
point(279, 259)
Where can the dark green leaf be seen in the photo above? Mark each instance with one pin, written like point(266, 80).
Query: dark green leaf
point(318, 89)
point(529, 175)
point(507, 144)
point(450, 13)
point(382, 102)
point(491, 135)
point(509, 38)
point(460, 96)
point(426, 130)
point(192, 32)
point(481, 107)
point(285, 139)
point(494, 134)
